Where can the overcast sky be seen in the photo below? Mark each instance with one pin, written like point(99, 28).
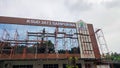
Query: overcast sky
point(104, 14)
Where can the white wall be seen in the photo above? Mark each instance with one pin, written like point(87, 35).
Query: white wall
point(103, 66)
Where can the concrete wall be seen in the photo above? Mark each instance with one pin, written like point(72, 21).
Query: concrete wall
point(39, 63)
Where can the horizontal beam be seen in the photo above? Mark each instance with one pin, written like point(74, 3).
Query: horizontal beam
point(24, 41)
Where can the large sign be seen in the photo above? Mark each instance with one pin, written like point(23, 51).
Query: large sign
point(50, 23)
point(36, 22)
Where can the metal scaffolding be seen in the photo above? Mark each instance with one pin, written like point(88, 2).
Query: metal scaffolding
point(102, 42)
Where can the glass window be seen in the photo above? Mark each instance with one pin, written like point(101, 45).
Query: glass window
point(50, 65)
point(22, 66)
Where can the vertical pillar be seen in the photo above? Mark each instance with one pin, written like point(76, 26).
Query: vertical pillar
point(94, 41)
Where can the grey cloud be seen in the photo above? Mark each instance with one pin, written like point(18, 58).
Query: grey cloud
point(112, 4)
point(77, 5)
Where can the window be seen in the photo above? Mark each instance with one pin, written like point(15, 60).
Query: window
point(22, 66)
point(50, 65)
point(86, 41)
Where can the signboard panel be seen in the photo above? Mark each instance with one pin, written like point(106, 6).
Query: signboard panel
point(36, 22)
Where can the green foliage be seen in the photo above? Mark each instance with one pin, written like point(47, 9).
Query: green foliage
point(48, 45)
point(113, 56)
point(74, 50)
point(72, 62)
point(71, 58)
point(19, 49)
point(70, 66)
point(61, 51)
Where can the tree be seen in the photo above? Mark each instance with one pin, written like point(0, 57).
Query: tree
point(46, 47)
point(113, 56)
point(72, 62)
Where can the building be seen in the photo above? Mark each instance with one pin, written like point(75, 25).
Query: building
point(76, 40)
